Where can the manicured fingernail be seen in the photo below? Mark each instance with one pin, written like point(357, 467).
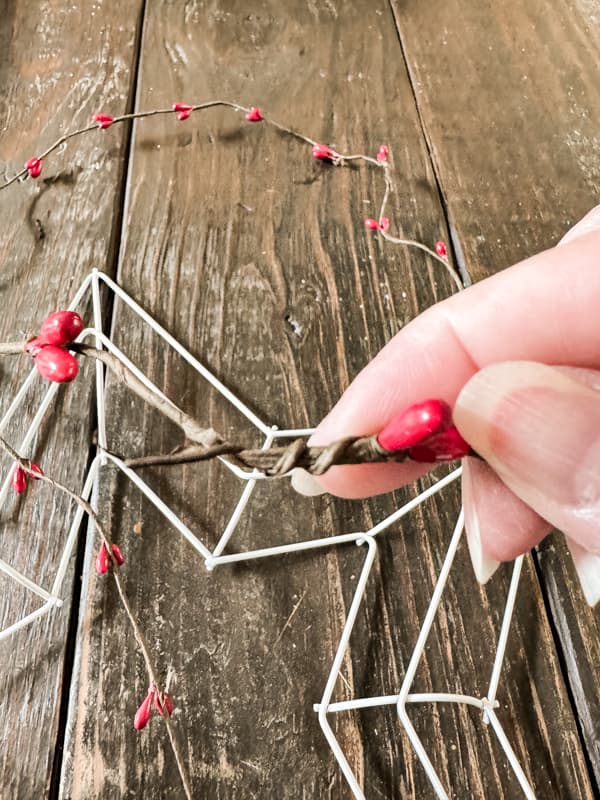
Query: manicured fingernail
point(483, 566)
point(587, 566)
point(540, 431)
point(304, 483)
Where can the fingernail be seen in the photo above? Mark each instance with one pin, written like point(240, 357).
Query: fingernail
point(540, 431)
point(304, 483)
point(587, 566)
point(483, 566)
point(589, 223)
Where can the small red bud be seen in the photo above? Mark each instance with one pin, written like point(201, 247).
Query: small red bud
point(60, 327)
point(441, 250)
point(117, 554)
point(34, 167)
point(56, 364)
point(168, 704)
point(373, 225)
point(19, 479)
point(445, 446)
point(415, 424)
point(254, 115)
point(142, 715)
point(183, 109)
point(382, 153)
point(35, 472)
point(104, 120)
point(324, 153)
point(102, 560)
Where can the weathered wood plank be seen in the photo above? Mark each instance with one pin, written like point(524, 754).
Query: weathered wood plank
point(517, 154)
point(232, 233)
point(58, 64)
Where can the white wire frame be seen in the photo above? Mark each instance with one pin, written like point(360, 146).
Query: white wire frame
point(218, 557)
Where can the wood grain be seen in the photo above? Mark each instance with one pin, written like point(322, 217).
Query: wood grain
point(257, 259)
point(517, 155)
point(58, 65)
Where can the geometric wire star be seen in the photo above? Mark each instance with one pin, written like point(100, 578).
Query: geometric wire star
point(218, 557)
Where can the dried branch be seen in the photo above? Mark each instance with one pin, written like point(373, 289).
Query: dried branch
point(26, 465)
point(335, 158)
point(208, 444)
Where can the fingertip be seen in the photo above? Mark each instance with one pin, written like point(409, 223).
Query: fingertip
point(498, 524)
point(366, 480)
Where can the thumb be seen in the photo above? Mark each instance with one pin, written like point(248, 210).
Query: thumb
point(540, 431)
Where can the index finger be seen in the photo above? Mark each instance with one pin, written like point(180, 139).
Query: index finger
point(543, 309)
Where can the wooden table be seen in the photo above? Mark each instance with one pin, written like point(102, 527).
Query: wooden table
point(257, 259)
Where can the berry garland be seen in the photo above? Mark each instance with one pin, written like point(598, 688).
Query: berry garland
point(422, 432)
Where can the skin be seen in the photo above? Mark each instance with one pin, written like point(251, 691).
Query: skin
point(542, 311)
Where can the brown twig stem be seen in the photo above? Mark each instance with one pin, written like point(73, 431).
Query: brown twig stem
point(339, 159)
point(25, 464)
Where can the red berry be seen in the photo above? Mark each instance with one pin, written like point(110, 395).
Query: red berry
point(183, 109)
point(324, 153)
point(382, 153)
point(60, 327)
point(142, 715)
point(415, 424)
point(373, 225)
point(254, 115)
point(441, 249)
point(168, 704)
point(103, 120)
point(117, 554)
point(445, 446)
point(56, 364)
point(35, 472)
point(102, 560)
point(19, 479)
point(34, 167)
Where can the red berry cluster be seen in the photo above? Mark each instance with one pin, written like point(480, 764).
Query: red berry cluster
point(103, 561)
point(34, 167)
point(373, 225)
point(324, 153)
point(144, 712)
point(19, 477)
point(425, 429)
point(52, 360)
point(382, 153)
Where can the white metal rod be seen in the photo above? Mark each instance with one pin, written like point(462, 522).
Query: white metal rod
point(75, 525)
point(161, 506)
point(185, 354)
point(416, 501)
point(294, 433)
point(311, 544)
point(512, 758)
point(26, 620)
point(27, 583)
point(336, 666)
point(239, 509)
point(505, 629)
point(100, 382)
point(416, 657)
point(392, 700)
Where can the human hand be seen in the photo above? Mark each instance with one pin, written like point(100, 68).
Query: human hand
point(518, 357)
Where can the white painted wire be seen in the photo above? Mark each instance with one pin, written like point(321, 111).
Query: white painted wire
point(217, 557)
